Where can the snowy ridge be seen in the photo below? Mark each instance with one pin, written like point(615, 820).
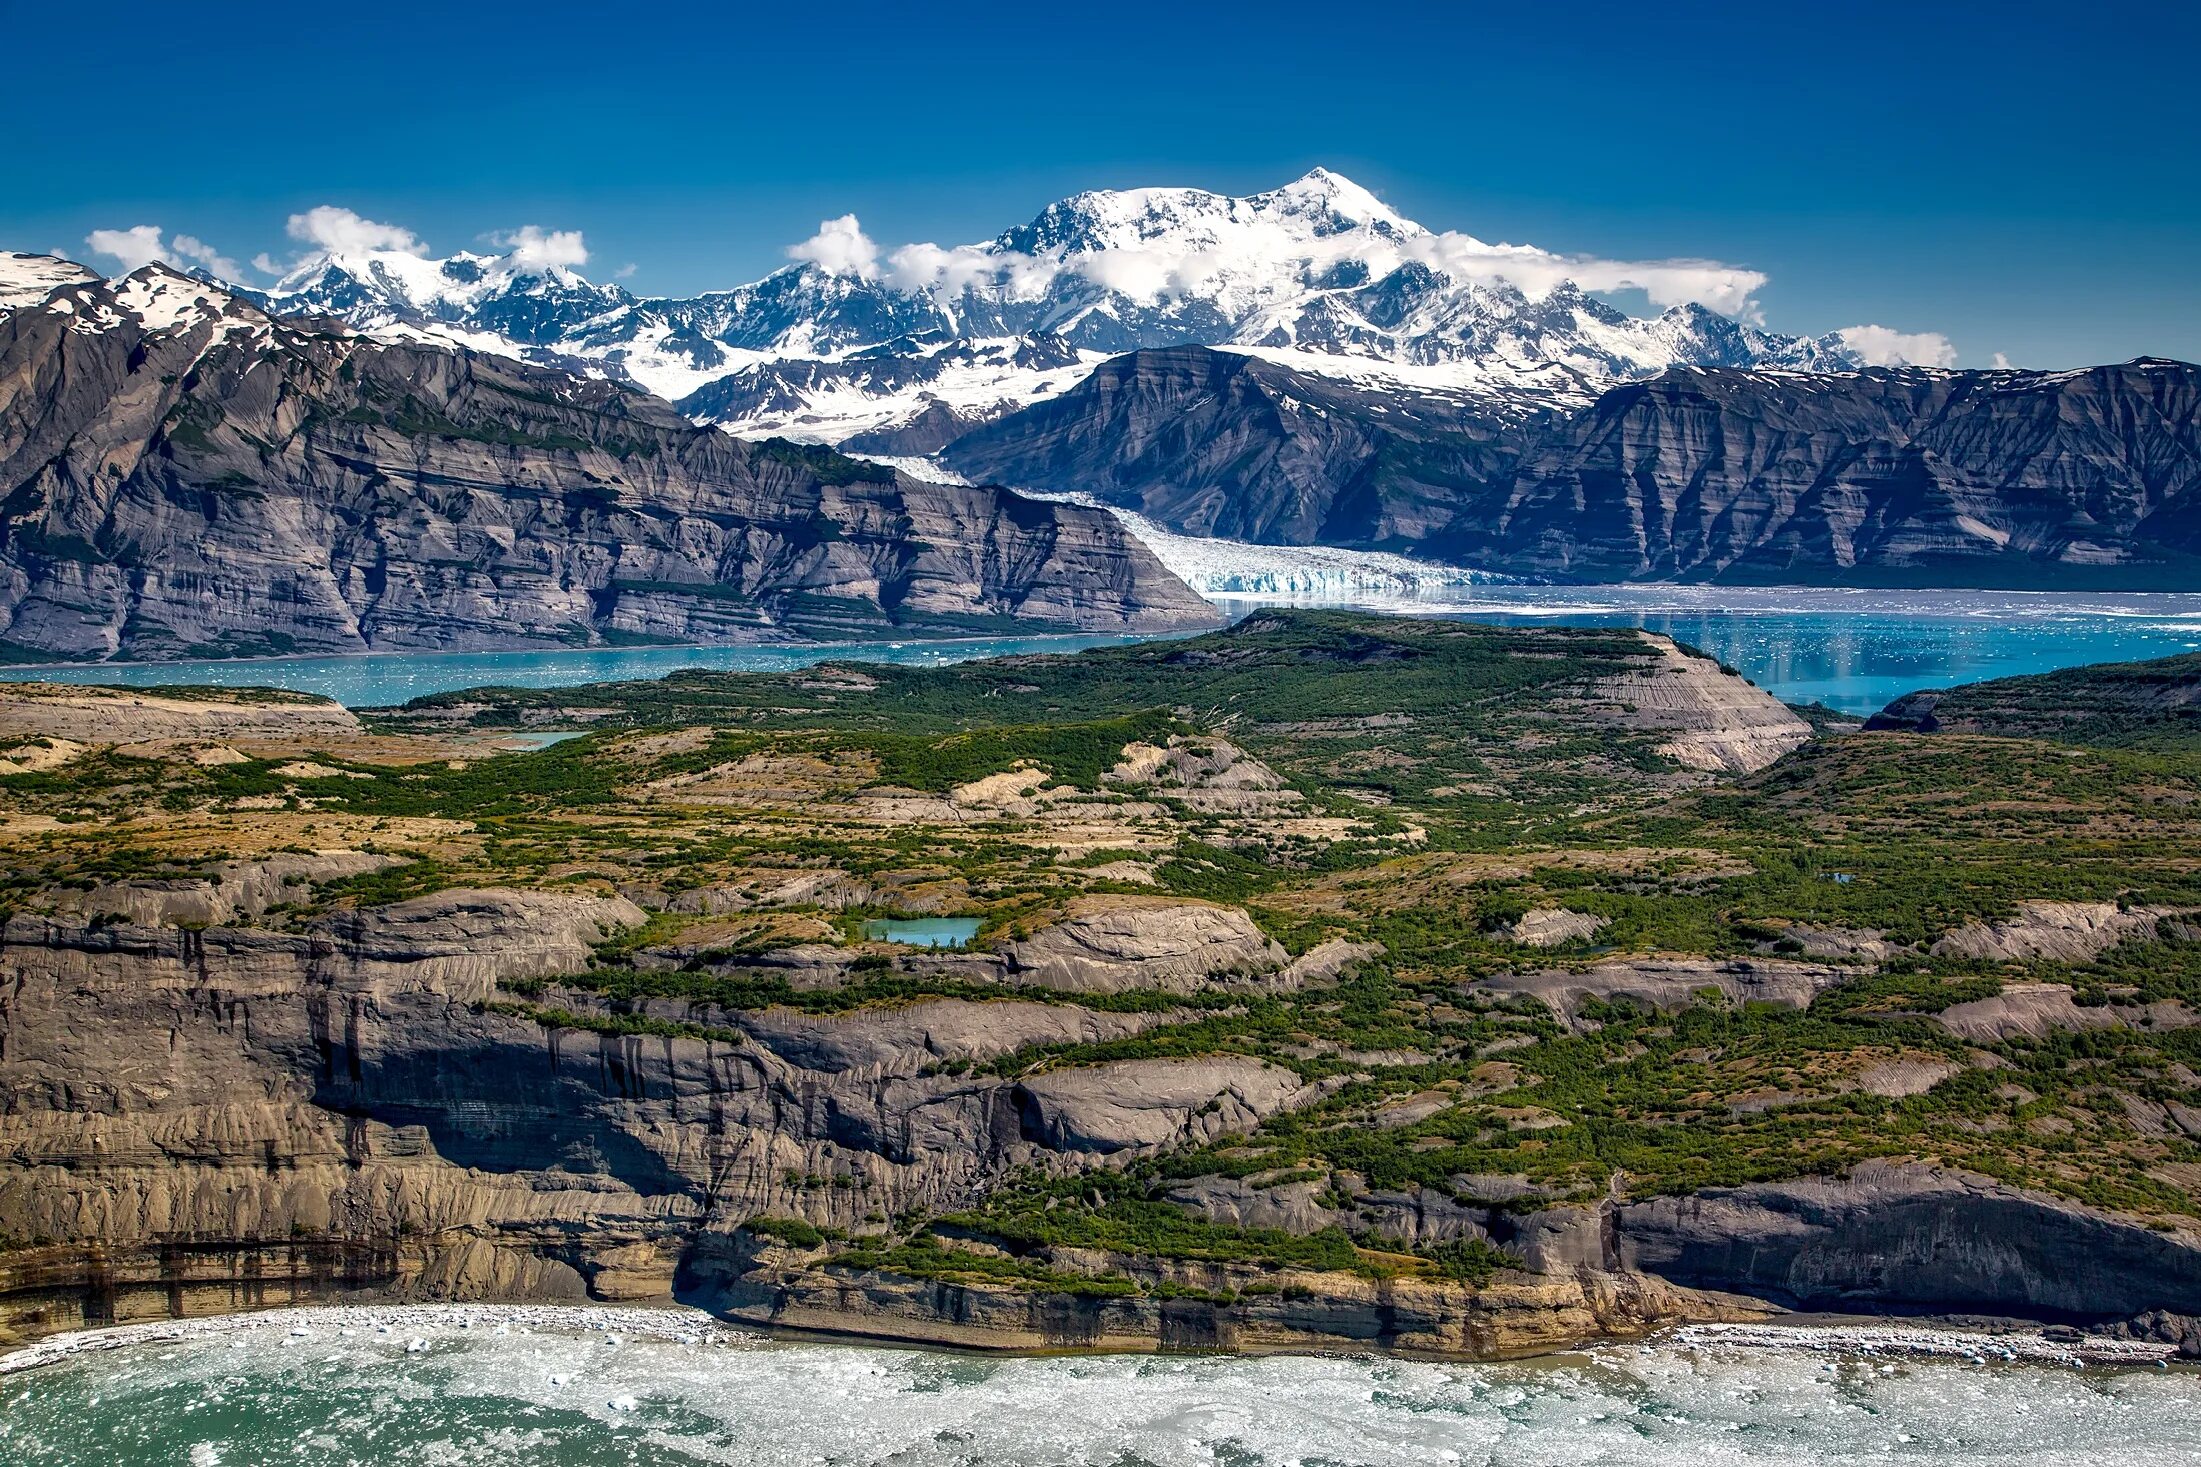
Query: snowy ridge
point(25, 280)
point(152, 298)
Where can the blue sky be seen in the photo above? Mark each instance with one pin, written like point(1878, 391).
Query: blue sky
point(2022, 177)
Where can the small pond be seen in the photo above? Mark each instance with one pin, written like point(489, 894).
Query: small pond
point(923, 931)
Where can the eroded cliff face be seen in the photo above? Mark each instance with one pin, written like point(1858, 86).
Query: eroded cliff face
point(182, 475)
point(209, 1117)
point(1913, 1235)
point(1903, 475)
point(205, 1116)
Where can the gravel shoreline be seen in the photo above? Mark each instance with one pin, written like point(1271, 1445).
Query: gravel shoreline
point(1976, 1346)
point(679, 1324)
point(670, 1323)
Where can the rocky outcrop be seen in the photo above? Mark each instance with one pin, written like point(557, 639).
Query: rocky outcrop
point(231, 892)
point(2113, 703)
point(1152, 1103)
point(1715, 719)
point(1115, 944)
point(182, 475)
point(1554, 927)
point(460, 941)
point(2064, 932)
point(2038, 1010)
point(1196, 1307)
point(461, 937)
point(910, 1041)
point(1671, 983)
point(123, 715)
point(1912, 1237)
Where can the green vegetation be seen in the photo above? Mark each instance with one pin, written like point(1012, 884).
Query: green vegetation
point(1441, 782)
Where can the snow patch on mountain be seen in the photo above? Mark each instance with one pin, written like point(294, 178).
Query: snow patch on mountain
point(25, 280)
point(840, 398)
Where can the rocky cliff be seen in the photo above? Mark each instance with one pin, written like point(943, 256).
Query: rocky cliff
point(203, 1118)
point(1883, 476)
point(183, 475)
point(1887, 476)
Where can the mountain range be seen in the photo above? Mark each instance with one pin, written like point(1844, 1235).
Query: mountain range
point(390, 450)
point(899, 352)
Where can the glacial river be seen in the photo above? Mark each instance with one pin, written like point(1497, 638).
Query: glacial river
point(1854, 650)
point(545, 1389)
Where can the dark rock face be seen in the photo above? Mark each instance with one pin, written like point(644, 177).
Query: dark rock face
point(1914, 1238)
point(1884, 476)
point(1220, 443)
point(1925, 477)
point(181, 475)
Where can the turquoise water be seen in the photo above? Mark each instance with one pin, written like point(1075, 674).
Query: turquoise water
point(1854, 650)
point(923, 931)
point(1858, 650)
point(543, 1390)
point(384, 679)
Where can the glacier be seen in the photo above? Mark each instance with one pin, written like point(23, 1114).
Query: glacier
point(1237, 571)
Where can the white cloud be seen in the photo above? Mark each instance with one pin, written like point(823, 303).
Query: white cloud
point(202, 253)
point(1882, 346)
point(136, 246)
point(141, 245)
point(625, 272)
point(1246, 249)
point(840, 247)
point(534, 249)
point(1724, 288)
point(950, 272)
point(2002, 361)
point(266, 264)
point(341, 232)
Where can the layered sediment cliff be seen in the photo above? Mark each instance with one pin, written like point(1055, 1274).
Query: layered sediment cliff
point(181, 475)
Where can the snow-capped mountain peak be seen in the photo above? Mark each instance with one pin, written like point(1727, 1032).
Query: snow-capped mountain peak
point(389, 288)
point(1280, 223)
